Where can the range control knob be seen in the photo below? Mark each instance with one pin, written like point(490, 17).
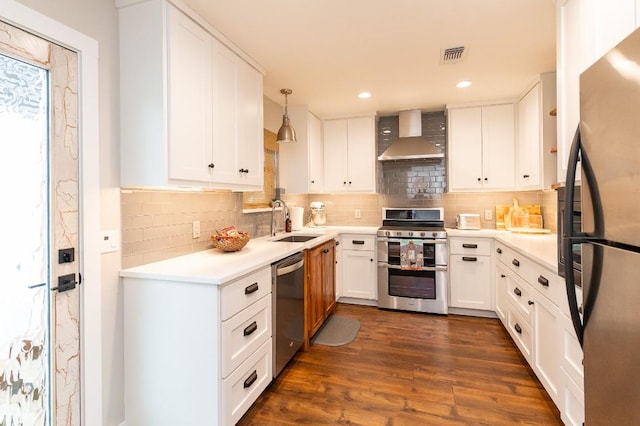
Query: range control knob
point(387, 233)
point(399, 234)
point(422, 234)
point(435, 235)
point(410, 233)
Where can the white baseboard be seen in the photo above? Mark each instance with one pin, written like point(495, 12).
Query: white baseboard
point(472, 312)
point(356, 301)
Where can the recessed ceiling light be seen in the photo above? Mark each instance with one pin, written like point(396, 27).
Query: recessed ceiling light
point(464, 83)
point(364, 95)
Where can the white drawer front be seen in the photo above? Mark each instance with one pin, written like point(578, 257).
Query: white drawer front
point(519, 293)
point(358, 242)
point(245, 332)
point(246, 383)
point(548, 283)
point(520, 330)
point(244, 291)
point(470, 246)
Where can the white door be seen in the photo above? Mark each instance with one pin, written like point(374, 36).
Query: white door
point(39, 325)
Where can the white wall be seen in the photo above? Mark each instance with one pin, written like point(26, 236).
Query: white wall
point(272, 115)
point(98, 19)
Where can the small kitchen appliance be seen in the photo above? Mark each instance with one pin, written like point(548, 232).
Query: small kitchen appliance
point(318, 217)
point(407, 232)
point(468, 221)
point(297, 218)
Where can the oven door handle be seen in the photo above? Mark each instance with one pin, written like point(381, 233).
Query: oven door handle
point(425, 268)
point(424, 241)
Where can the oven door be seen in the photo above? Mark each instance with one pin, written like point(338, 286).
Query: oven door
point(423, 290)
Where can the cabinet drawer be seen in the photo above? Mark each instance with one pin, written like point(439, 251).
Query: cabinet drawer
point(246, 383)
point(358, 242)
point(244, 291)
point(546, 282)
point(520, 295)
point(244, 332)
point(520, 330)
point(470, 246)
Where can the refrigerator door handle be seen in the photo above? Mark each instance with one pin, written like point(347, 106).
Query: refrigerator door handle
point(570, 237)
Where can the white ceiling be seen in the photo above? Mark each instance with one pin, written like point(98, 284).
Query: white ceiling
point(327, 51)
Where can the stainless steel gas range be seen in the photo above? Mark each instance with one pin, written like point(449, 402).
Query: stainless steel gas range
point(412, 260)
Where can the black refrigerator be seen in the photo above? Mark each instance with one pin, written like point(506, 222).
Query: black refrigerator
point(607, 144)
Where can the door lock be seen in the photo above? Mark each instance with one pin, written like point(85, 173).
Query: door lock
point(65, 283)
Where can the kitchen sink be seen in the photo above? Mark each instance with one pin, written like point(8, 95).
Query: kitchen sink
point(295, 238)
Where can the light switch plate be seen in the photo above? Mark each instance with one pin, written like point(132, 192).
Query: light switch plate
point(358, 214)
point(196, 229)
point(109, 241)
point(488, 214)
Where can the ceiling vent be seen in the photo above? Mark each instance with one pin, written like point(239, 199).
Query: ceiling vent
point(453, 55)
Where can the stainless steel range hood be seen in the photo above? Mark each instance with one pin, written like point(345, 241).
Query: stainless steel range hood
point(411, 145)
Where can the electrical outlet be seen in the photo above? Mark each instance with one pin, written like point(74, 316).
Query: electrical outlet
point(488, 214)
point(358, 214)
point(196, 229)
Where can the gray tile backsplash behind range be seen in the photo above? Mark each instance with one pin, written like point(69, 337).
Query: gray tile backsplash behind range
point(414, 179)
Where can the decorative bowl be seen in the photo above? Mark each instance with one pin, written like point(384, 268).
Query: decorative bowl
point(232, 242)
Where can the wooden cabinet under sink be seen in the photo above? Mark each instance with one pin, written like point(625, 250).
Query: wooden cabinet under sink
point(320, 287)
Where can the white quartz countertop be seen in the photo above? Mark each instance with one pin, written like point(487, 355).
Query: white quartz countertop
point(214, 266)
point(542, 248)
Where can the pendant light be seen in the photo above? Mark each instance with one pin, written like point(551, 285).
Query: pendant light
point(286, 134)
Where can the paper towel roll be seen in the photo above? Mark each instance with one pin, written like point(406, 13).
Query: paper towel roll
point(297, 218)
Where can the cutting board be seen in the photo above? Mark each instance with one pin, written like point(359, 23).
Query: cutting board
point(502, 210)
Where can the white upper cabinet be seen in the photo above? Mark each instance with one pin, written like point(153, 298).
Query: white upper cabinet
point(301, 163)
point(481, 148)
point(191, 107)
point(349, 154)
point(536, 164)
point(586, 30)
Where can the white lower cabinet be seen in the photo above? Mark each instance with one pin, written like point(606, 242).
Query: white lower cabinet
point(358, 268)
point(470, 283)
point(531, 302)
point(196, 353)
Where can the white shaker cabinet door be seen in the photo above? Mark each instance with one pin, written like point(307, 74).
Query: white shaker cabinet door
point(316, 154)
point(498, 147)
point(361, 161)
point(335, 155)
point(250, 127)
point(189, 105)
point(465, 148)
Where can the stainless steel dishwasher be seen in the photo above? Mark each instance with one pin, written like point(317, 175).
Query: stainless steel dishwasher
point(287, 292)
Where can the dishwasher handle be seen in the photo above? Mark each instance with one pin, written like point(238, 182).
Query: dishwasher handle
point(289, 269)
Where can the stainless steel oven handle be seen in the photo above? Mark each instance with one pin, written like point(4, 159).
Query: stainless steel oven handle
point(424, 241)
point(426, 268)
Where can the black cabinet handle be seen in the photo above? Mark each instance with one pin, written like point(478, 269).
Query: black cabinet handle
point(250, 328)
point(530, 302)
point(244, 170)
point(313, 181)
point(251, 289)
point(516, 327)
point(517, 292)
point(543, 281)
point(251, 379)
point(469, 246)
point(486, 179)
point(515, 262)
point(499, 250)
point(357, 242)
point(211, 165)
point(503, 276)
point(325, 251)
point(371, 260)
point(349, 182)
point(344, 182)
point(469, 259)
point(580, 309)
point(525, 176)
point(479, 180)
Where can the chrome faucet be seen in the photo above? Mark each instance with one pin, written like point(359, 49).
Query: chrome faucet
point(285, 213)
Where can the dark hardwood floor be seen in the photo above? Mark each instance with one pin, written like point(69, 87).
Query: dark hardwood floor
point(409, 369)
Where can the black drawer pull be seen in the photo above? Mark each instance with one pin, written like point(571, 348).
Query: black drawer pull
point(530, 302)
point(251, 379)
point(358, 242)
point(250, 328)
point(503, 276)
point(517, 292)
point(499, 250)
point(516, 327)
point(251, 289)
point(469, 246)
point(543, 281)
point(515, 262)
point(469, 259)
